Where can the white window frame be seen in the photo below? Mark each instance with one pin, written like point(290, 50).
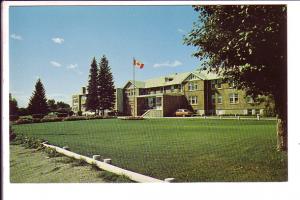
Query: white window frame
point(193, 86)
point(213, 84)
point(180, 87)
point(193, 100)
point(219, 98)
point(213, 99)
point(219, 83)
point(249, 99)
point(234, 97)
point(231, 84)
point(172, 88)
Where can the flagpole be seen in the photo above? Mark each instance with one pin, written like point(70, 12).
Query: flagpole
point(133, 64)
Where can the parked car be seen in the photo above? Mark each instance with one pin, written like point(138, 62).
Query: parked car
point(183, 113)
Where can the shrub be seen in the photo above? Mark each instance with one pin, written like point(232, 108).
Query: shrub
point(12, 135)
point(26, 117)
point(13, 117)
point(36, 120)
point(79, 113)
point(70, 113)
point(74, 118)
point(95, 117)
point(37, 116)
point(132, 118)
point(24, 121)
point(62, 114)
point(52, 119)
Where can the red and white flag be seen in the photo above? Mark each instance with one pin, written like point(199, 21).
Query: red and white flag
point(138, 64)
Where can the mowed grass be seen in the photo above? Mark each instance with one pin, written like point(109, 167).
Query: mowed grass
point(189, 150)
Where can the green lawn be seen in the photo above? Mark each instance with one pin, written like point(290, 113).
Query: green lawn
point(186, 149)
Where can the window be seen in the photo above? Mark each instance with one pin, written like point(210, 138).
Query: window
point(172, 88)
point(193, 86)
point(213, 99)
point(161, 90)
point(180, 88)
point(193, 100)
point(231, 84)
point(213, 84)
point(249, 112)
point(233, 98)
point(249, 99)
point(220, 99)
point(219, 84)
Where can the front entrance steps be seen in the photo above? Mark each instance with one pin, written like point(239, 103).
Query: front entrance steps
point(153, 113)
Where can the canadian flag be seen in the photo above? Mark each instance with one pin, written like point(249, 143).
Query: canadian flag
point(138, 64)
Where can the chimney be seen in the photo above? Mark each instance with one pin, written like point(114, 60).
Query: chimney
point(83, 90)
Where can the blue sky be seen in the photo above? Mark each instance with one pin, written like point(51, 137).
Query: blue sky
point(57, 44)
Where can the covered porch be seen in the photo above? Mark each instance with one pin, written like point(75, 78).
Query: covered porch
point(159, 105)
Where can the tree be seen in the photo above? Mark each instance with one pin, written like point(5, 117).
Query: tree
point(92, 97)
point(106, 89)
point(246, 44)
point(13, 106)
point(38, 101)
point(60, 106)
point(51, 105)
point(23, 111)
point(63, 107)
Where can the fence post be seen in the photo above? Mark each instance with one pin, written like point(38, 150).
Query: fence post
point(107, 160)
point(97, 157)
point(169, 180)
point(66, 148)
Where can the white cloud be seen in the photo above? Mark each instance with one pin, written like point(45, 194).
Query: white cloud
point(181, 31)
point(55, 64)
point(16, 37)
point(58, 40)
point(176, 63)
point(72, 66)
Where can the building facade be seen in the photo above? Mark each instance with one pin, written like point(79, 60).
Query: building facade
point(79, 100)
point(199, 91)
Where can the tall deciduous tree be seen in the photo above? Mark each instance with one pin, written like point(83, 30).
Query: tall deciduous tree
point(92, 97)
point(248, 44)
point(38, 101)
point(106, 89)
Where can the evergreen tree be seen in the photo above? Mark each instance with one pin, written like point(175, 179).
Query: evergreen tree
point(106, 89)
point(38, 102)
point(92, 97)
point(13, 106)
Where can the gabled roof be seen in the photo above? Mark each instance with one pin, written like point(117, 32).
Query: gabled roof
point(207, 75)
point(173, 79)
point(161, 81)
point(138, 84)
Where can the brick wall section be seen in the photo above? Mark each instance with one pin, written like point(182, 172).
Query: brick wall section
point(199, 92)
point(173, 102)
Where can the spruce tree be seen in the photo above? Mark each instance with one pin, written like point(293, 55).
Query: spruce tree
point(38, 101)
point(92, 97)
point(106, 89)
point(13, 106)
